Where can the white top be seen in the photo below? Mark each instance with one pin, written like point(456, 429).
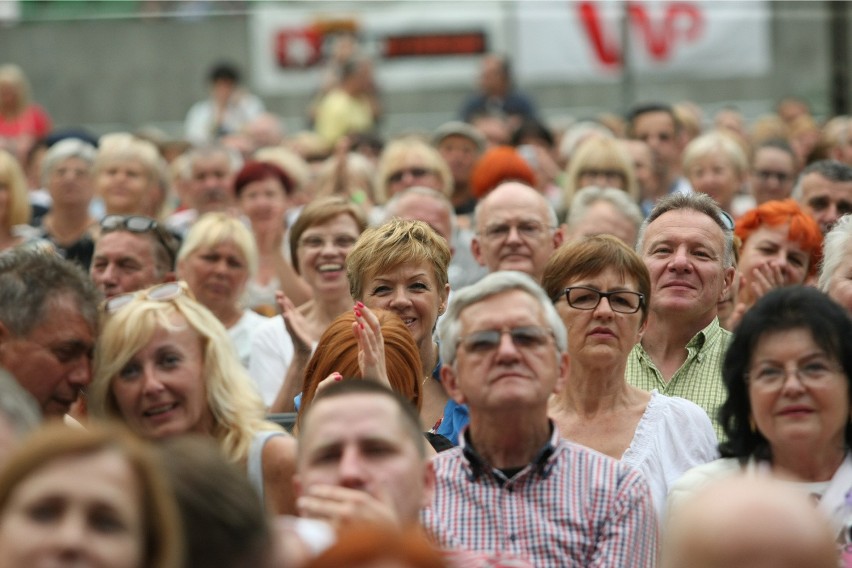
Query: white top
point(242, 108)
point(833, 495)
point(673, 436)
point(271, 355)
point(242, 332)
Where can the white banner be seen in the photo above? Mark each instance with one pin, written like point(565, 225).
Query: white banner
point(560, 41)
point(431, 45)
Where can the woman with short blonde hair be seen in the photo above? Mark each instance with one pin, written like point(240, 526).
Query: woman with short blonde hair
point(406, 162)
point(602, 162)
point(401, 266)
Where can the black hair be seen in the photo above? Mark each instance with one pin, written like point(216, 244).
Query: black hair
point(831, 170)
point(410, 418)
point(224, 71)
point(532, 128)
point(646, 108)
point(793, 307)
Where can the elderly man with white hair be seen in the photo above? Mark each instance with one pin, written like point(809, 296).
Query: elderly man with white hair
point(514, 485)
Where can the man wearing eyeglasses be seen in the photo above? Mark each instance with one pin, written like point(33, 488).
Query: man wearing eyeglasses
point(132, 253)
point(687, 245)
point(514, 485)
point(516, 229)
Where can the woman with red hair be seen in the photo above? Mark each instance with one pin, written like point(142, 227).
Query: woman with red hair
point(340, 351)
point(264, 193)
point(781, 246)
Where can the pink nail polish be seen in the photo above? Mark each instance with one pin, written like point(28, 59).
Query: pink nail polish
point(361, 325)
point(338, 377)
point(358, 313)
point(359, 304)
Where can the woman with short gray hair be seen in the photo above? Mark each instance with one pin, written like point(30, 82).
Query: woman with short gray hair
point(67, 176)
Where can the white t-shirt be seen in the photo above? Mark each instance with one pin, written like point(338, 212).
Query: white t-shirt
point(271, 355)
point(242, 333)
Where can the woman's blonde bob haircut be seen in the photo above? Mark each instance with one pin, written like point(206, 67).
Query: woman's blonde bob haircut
point(713, 143)
point(18, 211)
point(213, 229)
point(396, 154)
point(599, 153)
point(393, 244)
point(238, 411)
point(162, 545)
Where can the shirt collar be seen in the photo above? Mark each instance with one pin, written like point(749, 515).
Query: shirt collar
point(477, 465)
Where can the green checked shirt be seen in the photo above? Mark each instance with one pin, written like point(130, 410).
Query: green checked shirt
point(699, 379)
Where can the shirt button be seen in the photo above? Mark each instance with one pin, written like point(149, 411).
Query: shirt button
point(513, 537)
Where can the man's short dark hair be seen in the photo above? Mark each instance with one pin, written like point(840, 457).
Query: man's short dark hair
point(832, 170)
point(646, 108)
point(31, 279)
point(224, 71)
point(409, 417)
point(778, 144)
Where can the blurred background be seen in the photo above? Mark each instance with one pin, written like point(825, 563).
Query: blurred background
point(110, 65)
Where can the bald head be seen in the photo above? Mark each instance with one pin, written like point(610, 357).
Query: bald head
point(424, 204)
point(748, 523)
point(516, 229)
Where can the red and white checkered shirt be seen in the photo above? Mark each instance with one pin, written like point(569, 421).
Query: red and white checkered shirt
point(570, 507)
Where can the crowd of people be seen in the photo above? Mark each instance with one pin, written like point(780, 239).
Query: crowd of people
point(622, 342)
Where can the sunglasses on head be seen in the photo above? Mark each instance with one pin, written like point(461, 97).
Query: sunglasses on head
point(160, 293)
point(141, 225)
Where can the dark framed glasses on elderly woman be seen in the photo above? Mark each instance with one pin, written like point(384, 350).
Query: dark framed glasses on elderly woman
point(621, 301)
point(160, 293)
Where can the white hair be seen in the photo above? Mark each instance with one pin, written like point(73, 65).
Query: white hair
point(449, 326)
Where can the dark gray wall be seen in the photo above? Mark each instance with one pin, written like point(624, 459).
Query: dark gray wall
point(120, 74)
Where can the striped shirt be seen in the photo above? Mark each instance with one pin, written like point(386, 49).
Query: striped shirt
point(570, 506)
point(699, 379)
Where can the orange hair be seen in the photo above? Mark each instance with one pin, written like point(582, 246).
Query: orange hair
point(803, 229)
point(337, 351)
point(364, 546)
point(499, 164)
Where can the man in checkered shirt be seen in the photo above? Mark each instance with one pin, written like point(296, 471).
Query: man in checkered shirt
point(514, 485)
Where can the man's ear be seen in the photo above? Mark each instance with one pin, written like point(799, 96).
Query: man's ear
point(450, 381)
point(564, 366)
point(476, 249)
point(730, 273)
point(297, 485)
point(428, 483)
point(558, 236)
point(5, 337)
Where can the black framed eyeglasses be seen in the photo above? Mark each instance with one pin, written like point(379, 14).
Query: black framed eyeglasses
point(621, 301)
point(165, 292)
point(141, 224)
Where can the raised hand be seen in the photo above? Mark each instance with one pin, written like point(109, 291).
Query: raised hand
point(371, 345)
